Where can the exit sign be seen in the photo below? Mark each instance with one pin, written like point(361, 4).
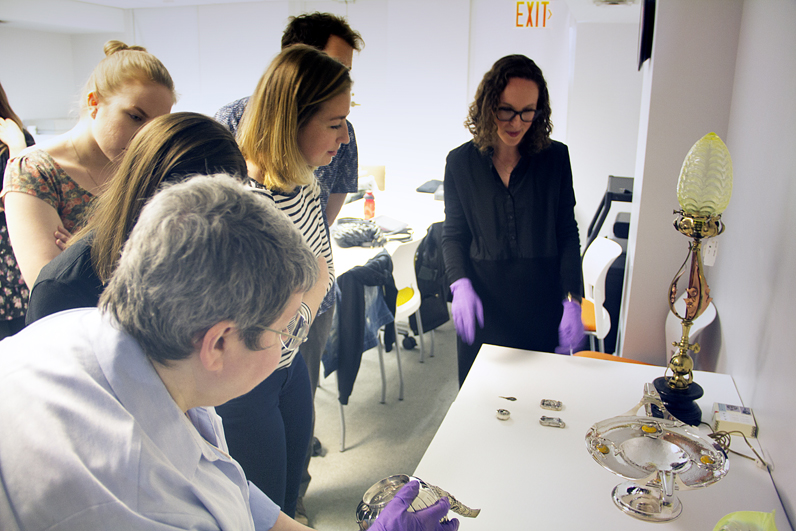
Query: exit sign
point(533, 14)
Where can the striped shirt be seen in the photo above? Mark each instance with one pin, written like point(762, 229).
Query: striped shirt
point(303, 207)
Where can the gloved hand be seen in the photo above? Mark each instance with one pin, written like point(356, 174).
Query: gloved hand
point(570, 331)
point(466, 308)
point(395, 516)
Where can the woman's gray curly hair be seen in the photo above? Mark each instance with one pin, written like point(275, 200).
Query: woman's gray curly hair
point(204, 251)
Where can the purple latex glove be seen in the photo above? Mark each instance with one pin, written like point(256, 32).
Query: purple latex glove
point(570, 331)
point(395, 516)
point(466, 308)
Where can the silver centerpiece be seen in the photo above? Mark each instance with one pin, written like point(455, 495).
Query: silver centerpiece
point(658, 456)
point(381, 493)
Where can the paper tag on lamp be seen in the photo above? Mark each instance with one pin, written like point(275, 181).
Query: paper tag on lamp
point(705, 184)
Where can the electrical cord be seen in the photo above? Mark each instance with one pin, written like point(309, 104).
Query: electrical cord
point(724, 439)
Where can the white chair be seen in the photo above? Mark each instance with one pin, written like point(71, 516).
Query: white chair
point(380, 347)
point(406, 304)
point(596, 261)
point(409, 298)
point(374, 172)
point(674, 326)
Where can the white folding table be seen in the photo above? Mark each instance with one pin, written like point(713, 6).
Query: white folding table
point(523, 475)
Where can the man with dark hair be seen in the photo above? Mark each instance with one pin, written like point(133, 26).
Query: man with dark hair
point(333, 35)
point(315, 29)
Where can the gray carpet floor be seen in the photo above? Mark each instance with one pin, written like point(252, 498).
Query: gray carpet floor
point(381, 439)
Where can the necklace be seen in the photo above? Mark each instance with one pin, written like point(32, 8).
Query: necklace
point(504, 167)
point(508, 168)
point(82, 164)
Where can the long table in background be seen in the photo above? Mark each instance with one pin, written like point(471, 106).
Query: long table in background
point(417, 209)
point(523, 475)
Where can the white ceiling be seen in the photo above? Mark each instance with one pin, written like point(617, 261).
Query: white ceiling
point(582, 10)
point(137, 4)
point(89, 16)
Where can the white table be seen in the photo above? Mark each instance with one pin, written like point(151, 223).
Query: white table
point(417, 209)
point(526, 476)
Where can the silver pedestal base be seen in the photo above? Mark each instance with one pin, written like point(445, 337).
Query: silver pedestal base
point(646, 502)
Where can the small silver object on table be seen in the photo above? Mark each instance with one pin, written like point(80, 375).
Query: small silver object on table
point(554, 422)
point(554, 405)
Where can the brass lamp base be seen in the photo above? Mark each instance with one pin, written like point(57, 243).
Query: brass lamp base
point(681, 403)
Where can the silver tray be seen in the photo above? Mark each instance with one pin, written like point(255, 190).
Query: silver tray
point(658, 456)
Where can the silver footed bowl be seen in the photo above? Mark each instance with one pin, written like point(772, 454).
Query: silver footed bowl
point(638, 447)
point(658, 456)
point(382, 492)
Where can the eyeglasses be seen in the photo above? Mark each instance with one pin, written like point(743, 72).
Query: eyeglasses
point(507, 114)
point(294, 334)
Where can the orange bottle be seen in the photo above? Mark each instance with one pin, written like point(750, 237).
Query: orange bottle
point(370, 205)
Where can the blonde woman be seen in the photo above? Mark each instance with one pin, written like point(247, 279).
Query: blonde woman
point(168, 149)
point(294, 122)
point(48, 187)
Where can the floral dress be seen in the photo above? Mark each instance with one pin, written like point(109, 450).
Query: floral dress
point(34, 172)
point(13, 291)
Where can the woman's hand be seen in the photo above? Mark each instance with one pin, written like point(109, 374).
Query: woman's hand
point(395, 516)
point(466, 309)
point(62, 237)
point(570, 332)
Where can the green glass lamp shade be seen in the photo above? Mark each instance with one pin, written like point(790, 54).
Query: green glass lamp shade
point(705, 184)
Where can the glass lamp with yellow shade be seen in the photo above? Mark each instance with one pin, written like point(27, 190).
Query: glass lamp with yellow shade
point(703, 191)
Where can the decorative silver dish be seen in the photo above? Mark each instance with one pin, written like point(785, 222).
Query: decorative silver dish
point(658, 456)
point(379, 495)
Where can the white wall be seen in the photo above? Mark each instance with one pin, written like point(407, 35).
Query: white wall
point(419, 89)
point(38, 77)
point(754, 277)
point(604, 105)
point(687, 94)
point(61, 16)
point(216, 54)
point(729, 67)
